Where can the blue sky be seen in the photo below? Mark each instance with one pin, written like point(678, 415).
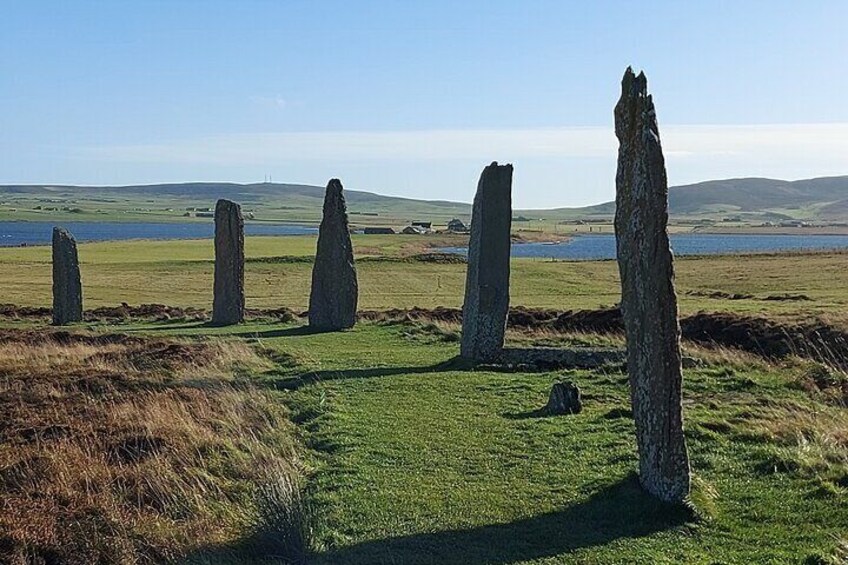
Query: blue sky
point(414, 98)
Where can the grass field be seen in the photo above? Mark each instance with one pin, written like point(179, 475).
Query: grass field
point(414, 459)
point(406, 455)
point(278, 273)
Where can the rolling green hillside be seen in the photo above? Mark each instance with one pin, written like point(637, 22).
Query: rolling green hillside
point(751, 199)
point(171, 202)
point(767, 199)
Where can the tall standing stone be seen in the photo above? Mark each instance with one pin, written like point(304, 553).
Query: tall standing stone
point(67, 285)
point(648, 299)
point(332, 302)
point(486, 303)
point(228, 301)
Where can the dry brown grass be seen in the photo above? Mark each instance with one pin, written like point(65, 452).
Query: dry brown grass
point(116, 449)
point(719, 355)
point(808, 442)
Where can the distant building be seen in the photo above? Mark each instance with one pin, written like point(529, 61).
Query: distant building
point(425, 225)
point(456, 225)
point(416, 230)
point(379, 231)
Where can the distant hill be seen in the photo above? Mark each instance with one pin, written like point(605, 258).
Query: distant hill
point(211, 191)
point(754, 199)
point(268, 201)
point(814, 199)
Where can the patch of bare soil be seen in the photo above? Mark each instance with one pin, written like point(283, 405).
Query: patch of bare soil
point(439, 314)
point(439, 258)
point(14, 311)
point(721, 295)
point(718, 294)
point(143, 311)
point(152, 312)
point(815, 340)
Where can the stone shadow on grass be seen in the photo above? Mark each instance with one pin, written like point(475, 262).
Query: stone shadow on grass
point(282, 543)
point(619, 511)
point(530, 414)
point(297, 381)
point(290, 331)
point(454, 364)
point(166, 325)
point(239, 329)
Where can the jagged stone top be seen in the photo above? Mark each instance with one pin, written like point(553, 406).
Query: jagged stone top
point(495, 166)
point(635, 113)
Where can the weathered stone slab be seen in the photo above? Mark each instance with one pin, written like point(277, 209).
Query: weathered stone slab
point(228, 299)
point(335, 292)
point(564, 399)
point(648, 299)
point(486, 303)
point(67, 284)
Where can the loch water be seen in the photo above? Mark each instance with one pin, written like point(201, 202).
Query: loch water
point(602, 246)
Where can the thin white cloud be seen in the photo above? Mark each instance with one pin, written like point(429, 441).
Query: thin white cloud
point(780, 139)
point(821, 142)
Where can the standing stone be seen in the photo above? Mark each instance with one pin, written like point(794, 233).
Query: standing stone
point(486, 303)
point(332, 302)
point(228, 301)
point(648, 299)
point(67, 286)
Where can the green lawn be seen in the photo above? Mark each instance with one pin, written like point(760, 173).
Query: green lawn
point(415, 460)
point(278, 274)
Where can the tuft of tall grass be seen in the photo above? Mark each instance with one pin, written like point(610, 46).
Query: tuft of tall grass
point(117, 449)
point(823, 381)
point(807, 442)
point(284, 526)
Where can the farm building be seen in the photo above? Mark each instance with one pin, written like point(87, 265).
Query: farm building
point(416, 230)
point(456, 225)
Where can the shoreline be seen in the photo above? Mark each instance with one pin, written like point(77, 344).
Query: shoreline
point(435, 241)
